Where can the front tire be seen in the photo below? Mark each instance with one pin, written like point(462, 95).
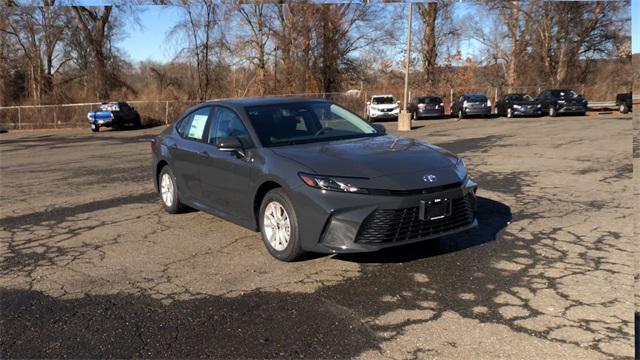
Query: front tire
point(169, 191)
point(95, 127)
point(137, 123)
point(624, 108)
point(553, 112)
point(509, 113)
point(279, 226)
point(460, 114)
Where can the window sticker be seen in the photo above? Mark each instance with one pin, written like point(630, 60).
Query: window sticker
point(197, 126)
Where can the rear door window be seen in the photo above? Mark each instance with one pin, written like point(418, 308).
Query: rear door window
point(193, 125)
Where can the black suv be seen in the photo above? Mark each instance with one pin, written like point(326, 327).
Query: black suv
point(511, 105)
point(562, 101)
point(624, 102)
point(114, 115)
point(426, 106)
point(471, 105)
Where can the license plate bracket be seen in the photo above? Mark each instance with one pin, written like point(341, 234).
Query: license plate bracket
point(434, 209)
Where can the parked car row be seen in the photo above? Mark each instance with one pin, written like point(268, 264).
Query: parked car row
point(551, 102)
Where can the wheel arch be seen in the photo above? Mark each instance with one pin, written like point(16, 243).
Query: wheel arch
point(159, 166)
point(262, 190)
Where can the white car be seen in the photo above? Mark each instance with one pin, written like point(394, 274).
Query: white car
point(382, 107)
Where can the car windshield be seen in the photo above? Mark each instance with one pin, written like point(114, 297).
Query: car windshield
point(564, 93)
point(477, 98)
point(382, 100)
point(521, 97)
point(109, 107)
point(306, 122)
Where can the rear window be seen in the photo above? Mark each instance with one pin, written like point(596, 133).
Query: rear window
point(429, 100)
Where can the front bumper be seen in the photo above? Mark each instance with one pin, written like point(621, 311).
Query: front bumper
point(527, 112)
point(384, 115)
point(572, 109)
point(333, 222)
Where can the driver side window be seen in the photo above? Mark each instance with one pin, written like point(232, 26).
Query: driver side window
point(226, 123)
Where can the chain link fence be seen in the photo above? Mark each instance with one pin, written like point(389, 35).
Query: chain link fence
point(155, 113)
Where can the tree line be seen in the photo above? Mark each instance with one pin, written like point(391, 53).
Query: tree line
point(60, 54)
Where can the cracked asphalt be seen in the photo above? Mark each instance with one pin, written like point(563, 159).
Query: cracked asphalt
point(91, 266)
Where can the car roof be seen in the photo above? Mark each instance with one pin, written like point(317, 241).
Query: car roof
point(381, 95)
point(262, 101)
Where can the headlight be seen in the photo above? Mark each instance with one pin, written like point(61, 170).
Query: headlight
point(329, 184)
point(539, 106)
point(461, 169)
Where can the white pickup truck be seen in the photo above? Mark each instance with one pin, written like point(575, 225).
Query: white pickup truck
point(382, 107)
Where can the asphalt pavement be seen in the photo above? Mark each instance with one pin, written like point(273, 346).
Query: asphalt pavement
point(91, 266)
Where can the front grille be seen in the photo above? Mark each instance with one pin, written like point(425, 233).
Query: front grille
point(396, 225)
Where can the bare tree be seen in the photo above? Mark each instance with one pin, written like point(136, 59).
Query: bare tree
point(38, 31)
point(93, 22)
point(255, 17)
point(437, 29)
point(199, 29)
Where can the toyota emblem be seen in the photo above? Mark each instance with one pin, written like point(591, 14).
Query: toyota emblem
point(429, 178)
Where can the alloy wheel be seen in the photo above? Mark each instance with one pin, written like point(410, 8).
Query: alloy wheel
point(166, 189)
point(277, 226)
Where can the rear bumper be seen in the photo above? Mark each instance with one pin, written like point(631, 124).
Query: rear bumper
point(485, 111)
point(430, 112)
point(332, 222)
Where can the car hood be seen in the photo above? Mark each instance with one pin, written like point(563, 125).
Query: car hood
point(385, 106)
point(376, 157)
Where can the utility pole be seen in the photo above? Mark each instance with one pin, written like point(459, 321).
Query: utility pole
point(404, 120)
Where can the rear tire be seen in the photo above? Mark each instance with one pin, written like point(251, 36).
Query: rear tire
point(168, 190)
point(279, 226)
point(624, 108)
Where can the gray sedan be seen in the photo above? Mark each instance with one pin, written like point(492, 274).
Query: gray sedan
point(310, 176)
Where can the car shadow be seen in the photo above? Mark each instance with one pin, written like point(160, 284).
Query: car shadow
point(493, 217)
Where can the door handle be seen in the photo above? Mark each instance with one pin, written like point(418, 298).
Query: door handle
point(173, 146)
point(204, 154)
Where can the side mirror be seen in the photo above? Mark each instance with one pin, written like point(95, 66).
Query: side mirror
point(230, 144)
point(398, 102)
point(368, 102)
point(380, 128)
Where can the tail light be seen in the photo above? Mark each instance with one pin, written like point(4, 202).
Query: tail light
point(153, 142)
point(489, 103)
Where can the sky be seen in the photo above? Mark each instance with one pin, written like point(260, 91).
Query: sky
point(147, 41)
point(635, 26)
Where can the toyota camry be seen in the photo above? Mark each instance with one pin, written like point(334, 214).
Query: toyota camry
point(310, 176)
